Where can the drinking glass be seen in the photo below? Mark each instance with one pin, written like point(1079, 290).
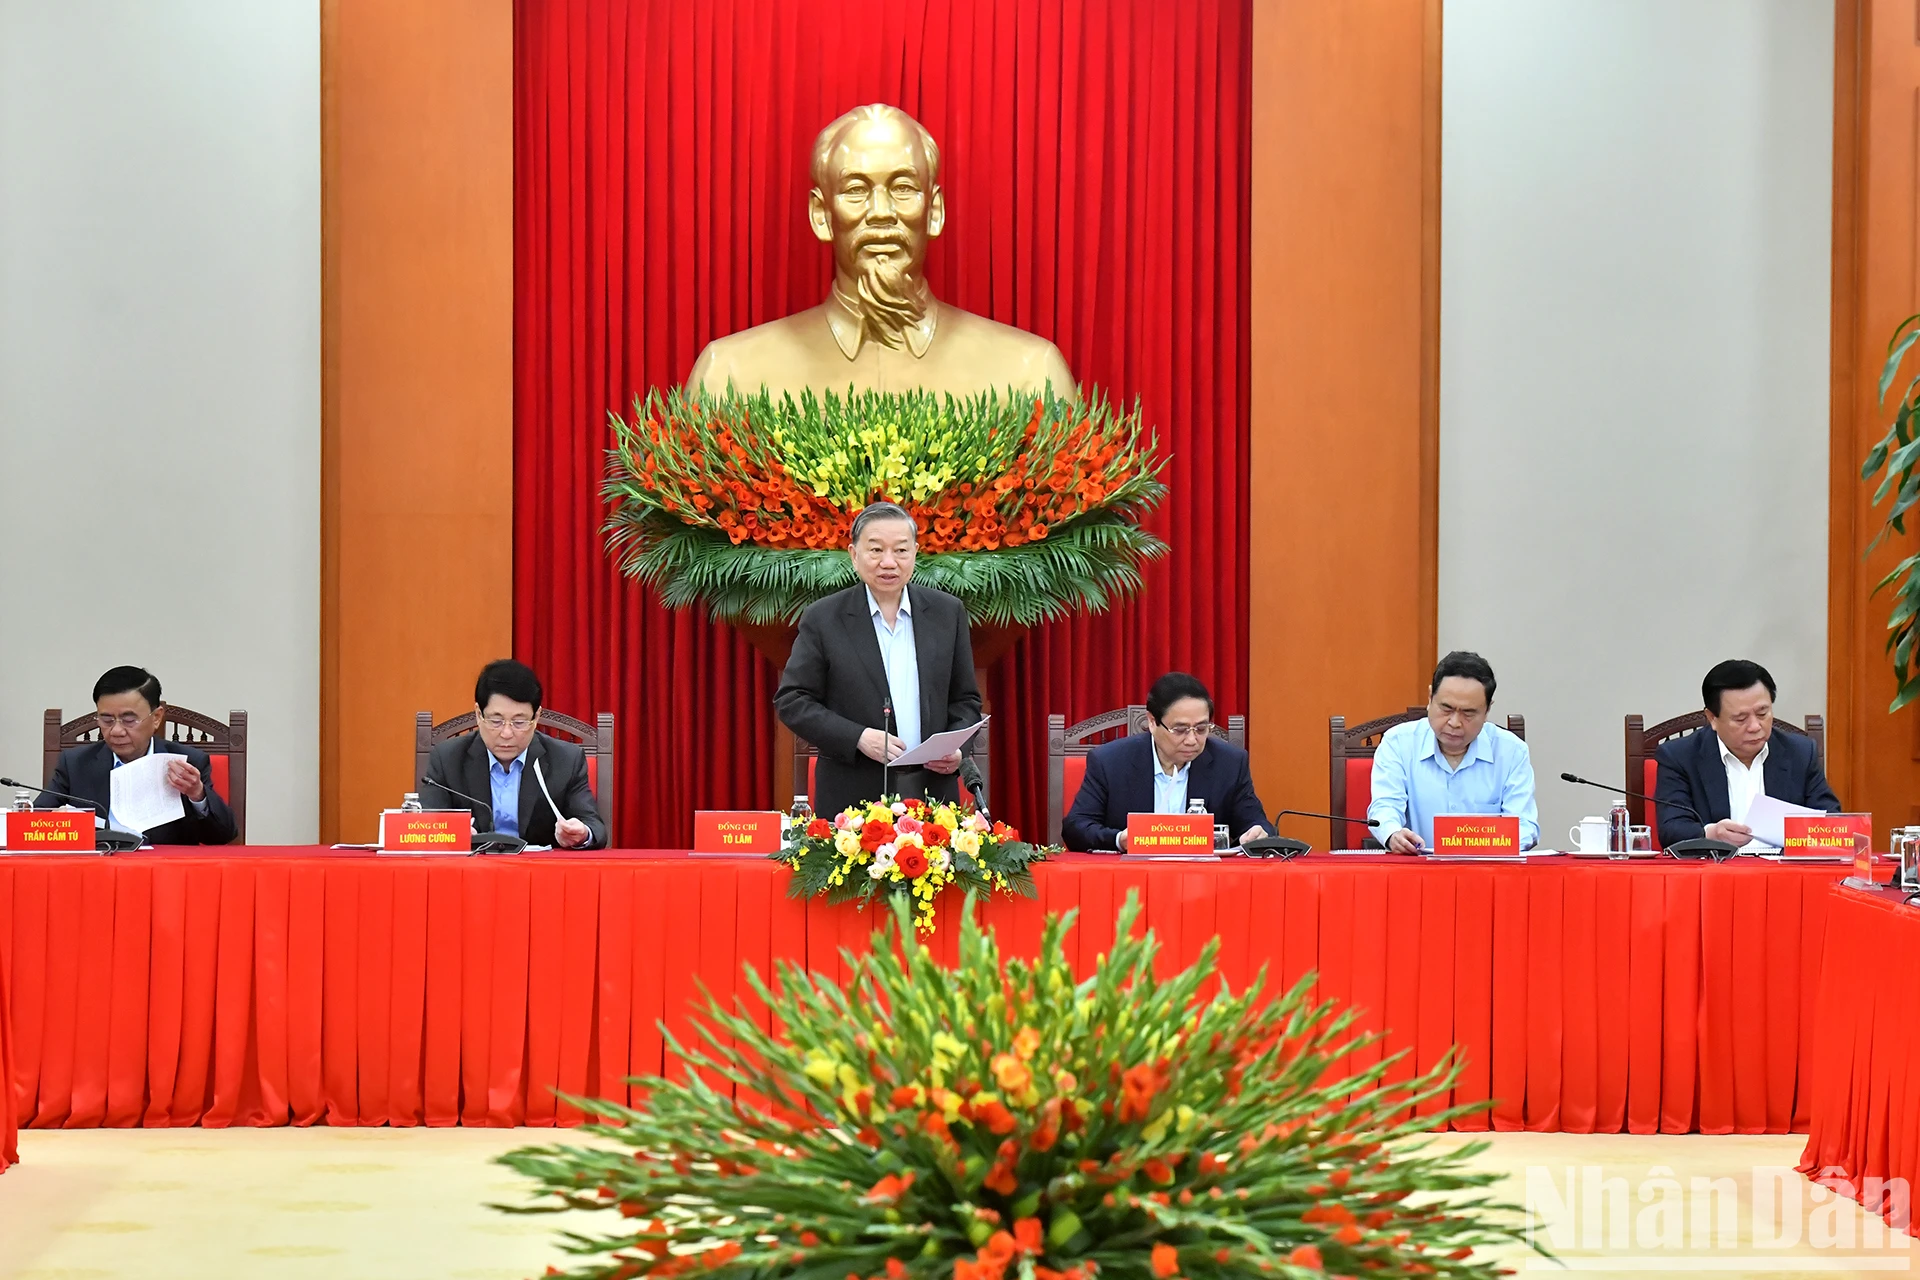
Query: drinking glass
point(1639, 842)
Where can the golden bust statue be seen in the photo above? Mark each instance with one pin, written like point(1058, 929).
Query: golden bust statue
point(876, 198)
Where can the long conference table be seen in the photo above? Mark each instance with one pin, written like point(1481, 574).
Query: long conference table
point(261, 986)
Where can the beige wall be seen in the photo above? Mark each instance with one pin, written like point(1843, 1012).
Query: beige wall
point(159, 370)
point(1634, 359)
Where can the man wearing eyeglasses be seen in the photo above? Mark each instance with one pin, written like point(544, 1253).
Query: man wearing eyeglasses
point(128, 710)
point(527, 774)
point(1178, 760)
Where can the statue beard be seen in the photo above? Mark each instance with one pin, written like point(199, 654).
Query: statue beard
point(891, 297)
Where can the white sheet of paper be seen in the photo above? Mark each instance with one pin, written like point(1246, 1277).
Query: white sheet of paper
point(940, 744)
point(1767, 819)
point(141, 798)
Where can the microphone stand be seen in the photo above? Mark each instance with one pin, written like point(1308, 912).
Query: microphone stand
point(1287, 848)
point(485, 841)
point(886, 742)
point(106, 837)
point(1698, 847)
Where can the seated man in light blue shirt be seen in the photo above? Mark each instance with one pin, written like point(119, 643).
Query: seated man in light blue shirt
point(1451, 762)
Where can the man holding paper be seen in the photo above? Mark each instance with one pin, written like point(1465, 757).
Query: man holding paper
point(877, 669)
point(1719, 775)
point(521, 782)
point(141, 782)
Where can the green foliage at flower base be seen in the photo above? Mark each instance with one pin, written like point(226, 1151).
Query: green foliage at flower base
point(1004, 1119)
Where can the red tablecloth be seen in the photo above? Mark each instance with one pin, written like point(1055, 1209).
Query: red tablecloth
point(266, 987)
point(9, 1145)
point(1865, 1115)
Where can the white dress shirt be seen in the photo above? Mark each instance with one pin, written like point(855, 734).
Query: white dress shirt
point(1169, 788)
point(1744, 783)
point(902, 663)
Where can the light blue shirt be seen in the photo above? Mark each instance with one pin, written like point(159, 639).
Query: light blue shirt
point(506, 792)
point(902, 663)
point(1169, 789)
point(1412, 781)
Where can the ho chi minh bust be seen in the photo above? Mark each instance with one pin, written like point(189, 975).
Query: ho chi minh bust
point(876, 198)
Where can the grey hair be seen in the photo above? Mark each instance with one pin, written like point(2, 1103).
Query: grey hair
point(830, 137)
point(881, 511)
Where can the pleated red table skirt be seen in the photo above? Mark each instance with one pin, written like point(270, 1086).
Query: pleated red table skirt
point(9, 1133)
point(267, 987)
point(1865, 1114)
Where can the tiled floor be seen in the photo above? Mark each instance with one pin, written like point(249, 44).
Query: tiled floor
point(369, 1204)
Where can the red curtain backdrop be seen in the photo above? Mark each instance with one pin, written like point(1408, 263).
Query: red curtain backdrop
point(1094, 162)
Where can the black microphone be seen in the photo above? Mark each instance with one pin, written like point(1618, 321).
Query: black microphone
point(886, 743)
point(104, 837)
point(484, 841)
point(1699, 847)
point(1284, 847)
point(970, 774)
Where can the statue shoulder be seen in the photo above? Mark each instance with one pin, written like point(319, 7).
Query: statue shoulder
point(1027, 358)
point(764, 345)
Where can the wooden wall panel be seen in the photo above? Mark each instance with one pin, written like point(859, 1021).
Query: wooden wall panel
point(417, 380)
point(1873, 757)
point(1345, 403)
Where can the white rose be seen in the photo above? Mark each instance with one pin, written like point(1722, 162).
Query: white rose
point(882, 861)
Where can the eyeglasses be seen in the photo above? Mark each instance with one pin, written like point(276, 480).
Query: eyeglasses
point(126, 719)
point(519, 724)
point(1200, 730)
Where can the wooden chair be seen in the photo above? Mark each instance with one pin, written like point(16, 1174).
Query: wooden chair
point(1643, 771)
point(1068, 748)
point(596, 738)
point(225, 743)
point(1350, 762)
point(805, 753)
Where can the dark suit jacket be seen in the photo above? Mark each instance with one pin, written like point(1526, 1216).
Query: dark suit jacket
point(1119, 781)
point(834, 684)
point(85, 771)
point(1692, 776)
point(463, 762)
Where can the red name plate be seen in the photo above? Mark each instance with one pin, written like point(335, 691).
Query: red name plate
point(50, 831)
point(1157, 835)
point(443, 831)
point(735, 831)
point(1834, 834)
point(1476, 835)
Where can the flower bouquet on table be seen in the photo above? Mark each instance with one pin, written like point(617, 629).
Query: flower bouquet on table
point(1012, 1121)
point(907, 849)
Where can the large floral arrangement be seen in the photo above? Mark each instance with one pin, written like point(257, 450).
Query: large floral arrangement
point(908, 849)
point(1007, 1121)
point(1027, 506)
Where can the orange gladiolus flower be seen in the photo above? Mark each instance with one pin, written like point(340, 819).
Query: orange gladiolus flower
point(1013, 1075)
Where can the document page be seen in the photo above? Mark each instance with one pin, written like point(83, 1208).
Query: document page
point(1767, 820)
point(141, 798)
point(940, 744)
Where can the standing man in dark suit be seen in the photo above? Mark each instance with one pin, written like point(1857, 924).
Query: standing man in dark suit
point(128, 709)
point(1177, 760)
point(1718, 774)
point(878, 668)
point(508, 758)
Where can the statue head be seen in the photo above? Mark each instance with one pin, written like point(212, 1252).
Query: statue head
point(876, 198)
